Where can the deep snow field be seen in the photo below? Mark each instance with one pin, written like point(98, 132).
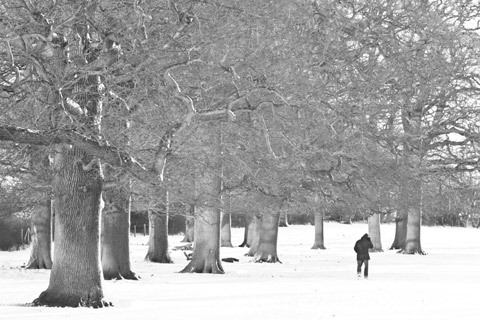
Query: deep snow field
point(308, 284)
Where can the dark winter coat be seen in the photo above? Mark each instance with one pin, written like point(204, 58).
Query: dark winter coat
point(361, 247)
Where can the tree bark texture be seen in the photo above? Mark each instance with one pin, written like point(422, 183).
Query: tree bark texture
point(374, 232)
point(76, 276)
point(319, 231)
point(115, 235)
point(411, 206)
point(412, 241)
point(267, 244)
point(206, 252)
point(158, 237)
point(208, 182)
point(256, 226)
point(41, 252)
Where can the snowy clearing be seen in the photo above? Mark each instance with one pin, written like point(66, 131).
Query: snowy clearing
point(309, 284)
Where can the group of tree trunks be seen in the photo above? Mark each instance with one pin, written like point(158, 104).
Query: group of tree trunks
point(66, 75)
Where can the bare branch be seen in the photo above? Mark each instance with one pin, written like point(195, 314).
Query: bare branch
point(106, 153)
point(267, 137)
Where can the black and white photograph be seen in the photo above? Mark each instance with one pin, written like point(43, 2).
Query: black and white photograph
point(239, 159)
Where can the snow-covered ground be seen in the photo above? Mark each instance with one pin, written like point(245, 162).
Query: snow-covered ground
point(309, 284)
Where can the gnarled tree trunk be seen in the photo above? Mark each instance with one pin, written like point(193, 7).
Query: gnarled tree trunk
point(76, 276)
point(41, 253)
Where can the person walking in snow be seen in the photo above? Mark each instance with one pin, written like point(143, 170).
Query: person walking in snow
point(361, 248)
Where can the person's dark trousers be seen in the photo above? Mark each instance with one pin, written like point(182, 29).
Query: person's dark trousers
point(359, 268)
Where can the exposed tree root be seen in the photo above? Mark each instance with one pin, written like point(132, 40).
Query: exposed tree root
point(54, 299)
point(376, 250)
point(39, 264)
point(204, 267)
point(397, 245)
point(130, 275)
point(395, 248)
point(244, 244)
point(162, 259)
point(420, 252)
point(269, 259)
point(318, 246)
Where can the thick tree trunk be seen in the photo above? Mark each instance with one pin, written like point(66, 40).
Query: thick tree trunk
point(412, 241)
point(414, 151)
point(374, 232)
point(400, 230)
point(319, 234)
point(256, 226)
point(158, 237)
point(76, 276)
point(267, 245)
point(41, 253)
point(226, 222)
point(206, 252)
point(115, 235)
